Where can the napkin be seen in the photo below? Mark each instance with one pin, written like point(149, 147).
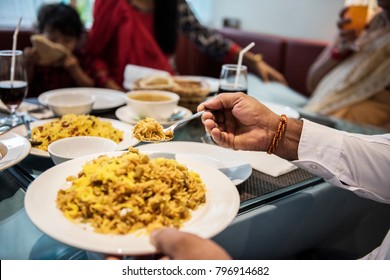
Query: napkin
point(36, 111)
point(135, 72)
point(269, 164)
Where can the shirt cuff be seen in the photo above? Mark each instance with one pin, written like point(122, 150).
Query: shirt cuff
point(319, 150)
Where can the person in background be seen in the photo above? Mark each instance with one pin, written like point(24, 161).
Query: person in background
point(60, 24)
point(355, 162)
point(144, 33)
point(353, 83)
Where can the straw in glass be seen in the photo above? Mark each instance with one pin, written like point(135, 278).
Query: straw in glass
point(14, 42)
point(240, 57)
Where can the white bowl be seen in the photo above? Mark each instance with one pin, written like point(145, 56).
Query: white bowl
point(74, 147)
point(71, 103)
point(156, 104)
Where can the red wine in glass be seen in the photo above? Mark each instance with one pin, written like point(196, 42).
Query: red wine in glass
point(12, 94)
point(231, 88)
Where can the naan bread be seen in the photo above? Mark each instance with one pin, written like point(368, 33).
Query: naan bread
point(191, 92)
point(49, 52)
point(155, 82)
point(191, 88)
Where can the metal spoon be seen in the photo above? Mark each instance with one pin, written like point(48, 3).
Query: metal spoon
point(4, 129)
point(175, 126)
point(26, 122)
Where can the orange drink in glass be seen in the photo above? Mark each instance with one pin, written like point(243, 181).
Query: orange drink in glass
point(358, 12)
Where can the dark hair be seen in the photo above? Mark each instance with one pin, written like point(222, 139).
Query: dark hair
point(60, 17)
point(165, 24)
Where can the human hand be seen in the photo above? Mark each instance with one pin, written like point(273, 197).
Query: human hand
point(70, 62)
point(177, 245)
point(31, 56)
point(346, 36)
point(267, 73)
point(238, 121)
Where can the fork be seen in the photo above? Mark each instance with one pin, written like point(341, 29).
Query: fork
point(26, 122)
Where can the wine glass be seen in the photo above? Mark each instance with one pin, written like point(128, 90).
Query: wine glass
point(13, 83)
point(230, 82)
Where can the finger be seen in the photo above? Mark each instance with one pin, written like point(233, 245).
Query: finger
point(343, 11)
point(276, 76)
point(209, 125)
point(112, 257)
point(264, 74)
point(342, 22)
point(169, 242)
point(222, 101)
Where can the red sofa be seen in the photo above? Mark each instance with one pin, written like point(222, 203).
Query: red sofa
point(292, 57)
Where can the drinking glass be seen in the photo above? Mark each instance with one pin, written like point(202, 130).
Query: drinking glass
point(228, 82)
point(357, 12)
point(13, 83)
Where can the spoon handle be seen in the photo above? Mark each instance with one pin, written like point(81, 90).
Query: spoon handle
point(194, 116)
point(5, 129)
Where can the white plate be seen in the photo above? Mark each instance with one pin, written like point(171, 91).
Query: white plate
point(212, 82)
point(232, 164)
point(282, 109)
point(105, 99)
point(222, 204)
point(127, 129)
point(126, 115)
point(17, 147)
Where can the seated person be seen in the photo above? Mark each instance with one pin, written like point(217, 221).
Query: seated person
point(144, 33)
point(354, 83)
point(53, 61)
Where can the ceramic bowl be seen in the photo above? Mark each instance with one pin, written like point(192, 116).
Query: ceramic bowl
point(71, 103)
point(156, 104)
point(74, 147)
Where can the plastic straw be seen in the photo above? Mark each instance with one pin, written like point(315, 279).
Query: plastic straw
point(14, 42)
point(240, 56)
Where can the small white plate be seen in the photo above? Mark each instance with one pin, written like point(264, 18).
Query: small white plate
point(222, 204)
point(105, 99)
point(126, 115)
point(127, 129)
point(212, 82)
point(17, 148)
point(225, 160)
point(282, 109)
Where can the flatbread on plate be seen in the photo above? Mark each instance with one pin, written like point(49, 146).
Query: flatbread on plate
point(49, 52)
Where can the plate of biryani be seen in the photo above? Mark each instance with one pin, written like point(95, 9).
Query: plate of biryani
point(229, 162)
point(110, 203)
point(50, 130)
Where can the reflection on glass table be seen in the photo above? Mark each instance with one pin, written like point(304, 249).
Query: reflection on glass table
point(261, 195)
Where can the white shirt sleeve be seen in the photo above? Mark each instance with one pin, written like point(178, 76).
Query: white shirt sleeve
point(359, 163)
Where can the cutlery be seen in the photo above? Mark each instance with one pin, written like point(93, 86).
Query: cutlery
point(177, 115)
point(175, 126)
point(4, 129)
point(26, 122)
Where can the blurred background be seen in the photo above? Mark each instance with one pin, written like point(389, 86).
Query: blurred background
point(307, 19)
